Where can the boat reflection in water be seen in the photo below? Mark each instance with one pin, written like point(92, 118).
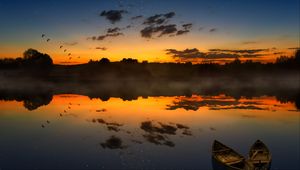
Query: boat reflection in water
point(225, 158)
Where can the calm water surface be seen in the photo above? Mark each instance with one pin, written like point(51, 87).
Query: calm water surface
point(76, 132)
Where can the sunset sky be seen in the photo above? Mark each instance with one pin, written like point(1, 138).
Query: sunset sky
point(156, 30)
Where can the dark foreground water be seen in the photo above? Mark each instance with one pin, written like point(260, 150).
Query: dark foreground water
point(173, 132)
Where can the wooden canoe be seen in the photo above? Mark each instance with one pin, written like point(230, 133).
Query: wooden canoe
point(260, 156)
point(227, 158)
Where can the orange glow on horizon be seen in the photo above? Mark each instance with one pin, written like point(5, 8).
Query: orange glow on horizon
point(136, 48)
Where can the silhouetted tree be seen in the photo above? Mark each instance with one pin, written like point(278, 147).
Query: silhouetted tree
point(104, 61)
point(188, 63)
point(129, 60)
point(34, 58)
point(297, 101)
point(236, 61)
point(282, 60)
point(297, 57)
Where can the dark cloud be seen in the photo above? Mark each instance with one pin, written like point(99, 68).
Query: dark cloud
point(114, 34)
point(113, 15)
point(99, 38)
point(169, 15)
point(277, 53)
point(101, 48)
point(186, 29)
point(180, 32)
point(166, 29)
point(213, 54)
point(110, 32)
point(249, 51)
point(187, 26)
point(162, 30)
point(252, 103)
point(187, 53)
point(155, 19)
point(220, 55)
point(113, 30)
point(147, 32)
point(213, 30)
point(137, 17)
point(159, 18)
point(252, 55)
point(156, 25)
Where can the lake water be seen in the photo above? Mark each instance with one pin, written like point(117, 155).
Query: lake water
point(170, 132)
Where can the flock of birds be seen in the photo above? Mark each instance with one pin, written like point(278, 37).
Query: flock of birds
point(60, 47)
point(62, 114)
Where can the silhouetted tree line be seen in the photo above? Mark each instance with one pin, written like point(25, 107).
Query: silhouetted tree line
point(185, 71)
point(34, 62)
point(31, 59)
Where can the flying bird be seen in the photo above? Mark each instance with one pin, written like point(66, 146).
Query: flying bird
point(61, 46)
point(69, 54)
point(43, 126)
point(65, 50)
point(48, 39)
point(48, 121)
point(43, 35)
point(70, 58)
point(78, 56)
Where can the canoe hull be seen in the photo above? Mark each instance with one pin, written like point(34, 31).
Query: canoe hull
point(260, 156)
point(217, 165)
point(225, 158)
